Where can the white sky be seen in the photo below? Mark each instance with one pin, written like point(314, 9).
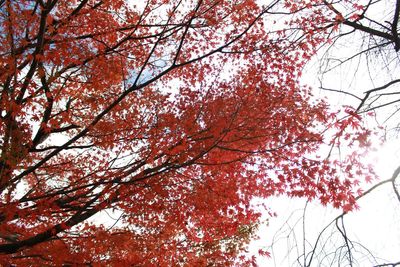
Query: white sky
point(376, 224)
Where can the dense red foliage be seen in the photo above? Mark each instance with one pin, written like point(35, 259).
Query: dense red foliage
point(174, 114)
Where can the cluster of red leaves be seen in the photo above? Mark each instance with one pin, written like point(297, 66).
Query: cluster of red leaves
point(177, 114)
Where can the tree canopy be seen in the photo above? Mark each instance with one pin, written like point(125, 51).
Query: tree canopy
point(174, 114)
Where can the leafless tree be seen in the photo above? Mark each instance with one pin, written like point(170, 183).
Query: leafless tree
point(360, 66)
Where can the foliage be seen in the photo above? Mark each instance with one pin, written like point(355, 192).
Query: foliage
point(177, 114)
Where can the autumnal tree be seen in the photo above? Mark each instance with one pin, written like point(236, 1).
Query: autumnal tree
point(176, 114)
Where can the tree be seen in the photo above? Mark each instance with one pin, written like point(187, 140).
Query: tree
point(360, 64)
point(176, 114)
point(375, 42)
point(372, 62)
